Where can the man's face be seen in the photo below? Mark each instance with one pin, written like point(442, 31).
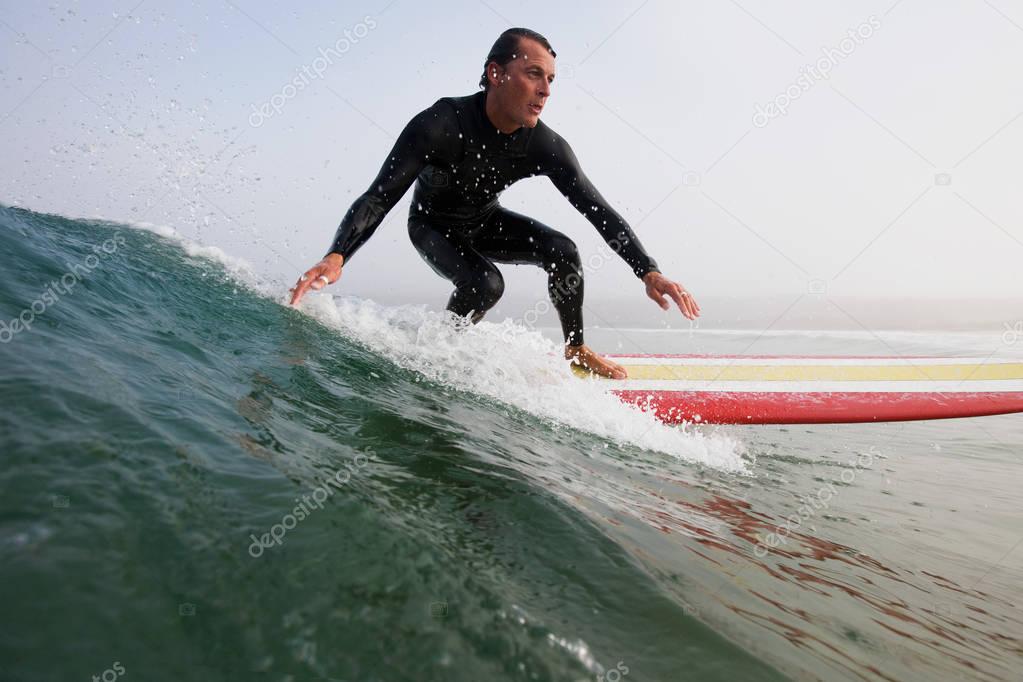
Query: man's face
point(525, 83)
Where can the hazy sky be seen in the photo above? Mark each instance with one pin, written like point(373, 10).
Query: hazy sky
point(894, 171)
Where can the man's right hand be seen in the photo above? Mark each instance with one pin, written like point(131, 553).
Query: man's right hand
point(327, 271)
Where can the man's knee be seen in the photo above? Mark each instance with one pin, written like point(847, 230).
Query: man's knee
point(563, 254)
point(487, 287)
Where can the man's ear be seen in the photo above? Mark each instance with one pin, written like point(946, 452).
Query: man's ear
point(494, 73)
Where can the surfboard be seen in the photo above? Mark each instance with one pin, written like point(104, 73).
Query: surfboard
point(765, 389)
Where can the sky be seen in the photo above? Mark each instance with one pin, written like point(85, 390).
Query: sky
point(785, 149)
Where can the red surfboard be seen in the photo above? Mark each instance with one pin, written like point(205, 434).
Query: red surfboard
point(758, 389)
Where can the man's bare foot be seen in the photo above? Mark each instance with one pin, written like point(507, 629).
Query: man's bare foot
point(586, 358)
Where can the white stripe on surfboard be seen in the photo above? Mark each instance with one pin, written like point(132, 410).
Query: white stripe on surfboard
point(770, 362)
point(675, 385)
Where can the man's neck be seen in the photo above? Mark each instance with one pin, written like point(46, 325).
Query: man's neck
point(503, 124)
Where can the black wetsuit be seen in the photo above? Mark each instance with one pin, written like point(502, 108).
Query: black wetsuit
point(463, 163)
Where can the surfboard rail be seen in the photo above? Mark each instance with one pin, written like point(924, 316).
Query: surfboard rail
point(771, 389)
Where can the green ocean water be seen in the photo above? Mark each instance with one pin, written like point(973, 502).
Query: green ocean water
point(201, 483)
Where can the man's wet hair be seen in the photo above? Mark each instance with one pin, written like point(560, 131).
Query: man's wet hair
point(506, 47)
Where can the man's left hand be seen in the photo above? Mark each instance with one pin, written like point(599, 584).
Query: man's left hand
point(658, 287)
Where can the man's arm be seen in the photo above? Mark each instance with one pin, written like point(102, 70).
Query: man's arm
point(570, 180)
point(430, 135)
point(422, 139)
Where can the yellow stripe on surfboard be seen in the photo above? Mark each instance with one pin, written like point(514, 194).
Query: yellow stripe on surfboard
point(909, 372)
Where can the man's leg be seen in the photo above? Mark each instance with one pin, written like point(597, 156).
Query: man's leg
point(509, 237)
point(478, 283)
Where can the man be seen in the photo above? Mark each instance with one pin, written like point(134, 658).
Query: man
point(465, 151)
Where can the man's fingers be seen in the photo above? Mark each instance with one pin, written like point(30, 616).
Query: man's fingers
point(299, 291)
point(687, 309)
point(675, 291)
point(314, 279)
point(660, 300)
point(302, 286)
point(694, 310)
point(687, 304)
point(681, 300)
